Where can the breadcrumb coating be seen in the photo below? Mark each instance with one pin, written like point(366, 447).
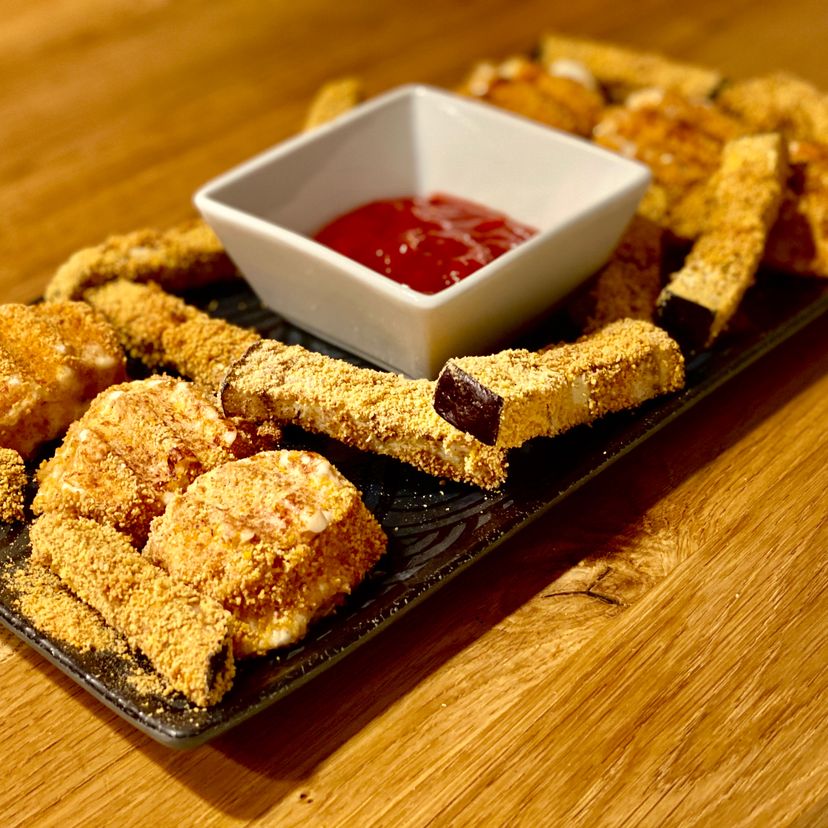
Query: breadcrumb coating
point(278, 539)
point(185, 256)
point(779, 102)
point(628, 285)
point(681, 141)
point(54, 358)
point(12, 486)
point(138, 443)
point(372, 410)
point(164, 332)
point(524, 87)
point(334, 99)
point(186, 636)
point(621, 70)
point(515, 395)
point(798, 242)
point(747, 191)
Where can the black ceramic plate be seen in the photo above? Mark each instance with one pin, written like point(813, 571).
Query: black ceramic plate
point(436, 528)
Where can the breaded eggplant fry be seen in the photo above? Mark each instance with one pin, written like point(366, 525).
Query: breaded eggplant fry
point(513, 396)
point(188, 255)
point(621, 70)
point(317, 392)
point(279, 539)
point(332, 100)
point(164, 332)
point(779, 102)
point(629, 284)
point(54, 358)
point(186, 636)
point(138, 443)
point(747, 190)
point(12, 486)
point(372, 410)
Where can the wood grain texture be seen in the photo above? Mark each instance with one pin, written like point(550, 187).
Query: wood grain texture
point(650, 653)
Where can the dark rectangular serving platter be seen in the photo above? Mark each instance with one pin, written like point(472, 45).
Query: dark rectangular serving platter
point(436, 528)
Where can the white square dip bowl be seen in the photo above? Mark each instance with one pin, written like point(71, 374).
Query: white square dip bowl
point(417, 141)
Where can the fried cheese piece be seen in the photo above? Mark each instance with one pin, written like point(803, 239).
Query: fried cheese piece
point(163, 331)
point(54, 358)
point(139, 443)
point(12, 486)
point(628, 286)
point(186, 256)
point(622, 70)
point(681, 141)
point(562, 101)
point(186, 636)
point(372, 410)
point(278, 539)
point(701, 298)
point(334, 99)
point(513, 396)
point(798, 242)
point(778, 102)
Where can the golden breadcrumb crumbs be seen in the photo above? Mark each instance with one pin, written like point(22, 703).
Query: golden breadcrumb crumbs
point(185, 256)
point(278, 539)
point(372, 410)
point(779, 102)
point(544, 393)
point(681, 141)
point(186, 636)
point(54, 358)
point(49, 605)
point(13, 482)
point(747, 191)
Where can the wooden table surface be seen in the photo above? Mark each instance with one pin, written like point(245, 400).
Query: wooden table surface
point(651, 653)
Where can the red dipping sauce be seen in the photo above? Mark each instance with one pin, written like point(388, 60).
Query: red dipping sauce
point(428, 243)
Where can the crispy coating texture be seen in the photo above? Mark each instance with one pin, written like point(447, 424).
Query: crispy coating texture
point(164, 332)
point(138, 443)
point(372, 410)
point(516, 395)
point(185, 635)
point(279, 539)
point(334, 99)
point(779, 102)
point(628, 285)
point(524, 87)
point(747, 191)
point(185, 256)
point(54, 358)
point(798, 242)
point(681, 141)
point(12, 486)
point(621, 70)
